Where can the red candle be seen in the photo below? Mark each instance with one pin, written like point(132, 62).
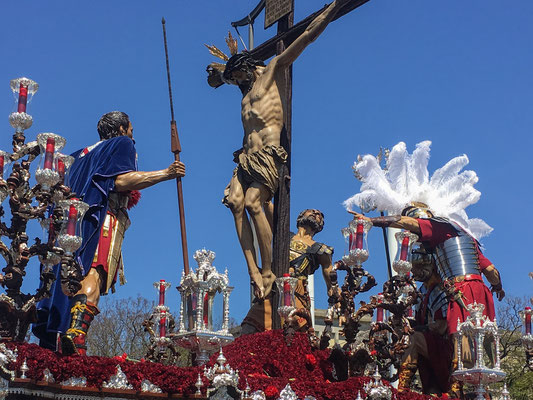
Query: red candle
point(359, 235)
point(379, 315)
point(2, 166)
point(23, 99)
point(206, 309)
point(61, 168)
point(286, 291)
point(162, 323)
point(71, 222)
point(49, 154)
point(405, 247)
point(527, 320)
point(351, 242)
point(162, 292)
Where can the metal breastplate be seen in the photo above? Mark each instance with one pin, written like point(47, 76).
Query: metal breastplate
point(438, 301)
point(457, 256)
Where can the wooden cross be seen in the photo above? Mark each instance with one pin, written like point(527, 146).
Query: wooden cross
point(286, 34)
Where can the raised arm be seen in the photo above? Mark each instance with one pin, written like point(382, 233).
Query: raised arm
point(393, 221)
point(314, 29)
point(138, 180)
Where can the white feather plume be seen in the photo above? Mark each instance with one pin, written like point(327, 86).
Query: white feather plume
point(406, 179)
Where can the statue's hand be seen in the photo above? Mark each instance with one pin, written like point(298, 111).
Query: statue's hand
point(176, 170)
point(356, 215)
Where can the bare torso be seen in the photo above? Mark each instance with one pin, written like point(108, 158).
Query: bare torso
point(262, 111)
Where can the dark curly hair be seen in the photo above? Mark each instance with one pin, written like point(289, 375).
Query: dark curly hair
point(109, 124)
point(241, 61)
point(302, 220)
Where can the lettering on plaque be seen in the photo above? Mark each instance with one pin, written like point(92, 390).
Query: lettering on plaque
point(275, 10)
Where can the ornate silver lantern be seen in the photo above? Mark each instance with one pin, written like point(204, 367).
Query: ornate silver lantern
point(476, 328)
point(198, 290)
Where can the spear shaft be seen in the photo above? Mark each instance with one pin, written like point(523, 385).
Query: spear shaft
point(175, 147)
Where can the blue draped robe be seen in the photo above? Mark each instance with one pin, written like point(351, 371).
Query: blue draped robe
point(92, 178)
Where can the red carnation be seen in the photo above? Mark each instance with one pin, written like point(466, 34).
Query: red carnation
point(373, 352)
point(133, 198)
point(271, 392)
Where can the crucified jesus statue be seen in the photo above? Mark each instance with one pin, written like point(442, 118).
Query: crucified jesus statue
point(255, 179)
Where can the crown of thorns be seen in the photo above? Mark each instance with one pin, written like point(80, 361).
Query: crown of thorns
point(217, 72)
point(215, 51)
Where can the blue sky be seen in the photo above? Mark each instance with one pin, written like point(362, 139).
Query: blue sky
point(454, 72)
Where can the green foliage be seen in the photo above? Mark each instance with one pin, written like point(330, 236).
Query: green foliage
point(118, 328)
point(519, 378)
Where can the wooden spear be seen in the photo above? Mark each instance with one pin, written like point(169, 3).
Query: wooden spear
point(175, 147)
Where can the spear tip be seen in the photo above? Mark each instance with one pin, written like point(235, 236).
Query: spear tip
point(163, 20)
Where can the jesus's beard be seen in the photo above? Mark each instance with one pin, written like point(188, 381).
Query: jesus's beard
point(310, 222)
point(246, 85)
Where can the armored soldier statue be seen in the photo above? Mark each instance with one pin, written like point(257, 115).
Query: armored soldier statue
point(430, 349)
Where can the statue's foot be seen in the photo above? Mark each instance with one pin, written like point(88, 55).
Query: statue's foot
point(268, 281)
point(257, 283)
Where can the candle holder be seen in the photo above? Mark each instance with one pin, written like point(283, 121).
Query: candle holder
point(356, 237)
point(162, 313)
point(23, 90)
point(70, 238)
point(402, 263)
point(40, 202)
point(198, 290)
point(286, 289)
point(47, 174)
point(477, 328)
point(527, 336)
point(160, 326)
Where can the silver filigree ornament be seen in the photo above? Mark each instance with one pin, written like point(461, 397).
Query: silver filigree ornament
point(287, 393)
point(221, 374)
point(149, 387)
point(7, 356)
point(79, 381)
point(20, 121)
point(48, 377)
point(118, 381)
point(376, 390)
point(46, 177)
point(26, 82)
point(24, 368)
point(258, 395)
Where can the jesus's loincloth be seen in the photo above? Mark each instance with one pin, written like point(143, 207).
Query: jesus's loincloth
point(261, 166)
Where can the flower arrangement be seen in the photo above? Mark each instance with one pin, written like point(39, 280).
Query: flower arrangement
point(264, 361)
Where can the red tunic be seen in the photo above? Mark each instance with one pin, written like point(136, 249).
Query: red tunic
point(472, 287)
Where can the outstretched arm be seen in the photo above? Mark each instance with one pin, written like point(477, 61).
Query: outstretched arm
point(314, 30)
point(409, 223)
point(137, 180)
